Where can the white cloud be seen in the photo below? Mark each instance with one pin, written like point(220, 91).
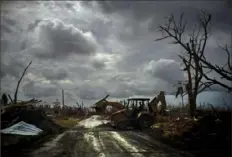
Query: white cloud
point(55, 39)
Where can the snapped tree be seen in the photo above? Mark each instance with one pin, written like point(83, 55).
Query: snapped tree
point(19, 81)
point(194, 47)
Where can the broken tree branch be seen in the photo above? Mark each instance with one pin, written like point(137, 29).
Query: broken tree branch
point(10, 98)
point(19, 81)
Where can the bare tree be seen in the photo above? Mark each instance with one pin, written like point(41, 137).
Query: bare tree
point(224, 71)
point(19, 81)
point(194, 47)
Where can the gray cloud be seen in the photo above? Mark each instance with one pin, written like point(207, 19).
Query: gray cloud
point(58, 40)
point(121, 91)
point(151, 87)
point(33, 25)
point(91, 92)
point(54, 74)
point(139, 12)
point(12, 67)
point(165, 69)
point(7, 24)
point(38, 90)
point(98, 64)
point(98, 47)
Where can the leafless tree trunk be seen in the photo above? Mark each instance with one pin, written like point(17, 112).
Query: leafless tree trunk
point(194, 49)
point(19, 81)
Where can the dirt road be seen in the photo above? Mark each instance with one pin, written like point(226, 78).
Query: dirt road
point(93, 138)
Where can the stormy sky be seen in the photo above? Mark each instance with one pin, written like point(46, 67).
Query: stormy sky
point(91, 49)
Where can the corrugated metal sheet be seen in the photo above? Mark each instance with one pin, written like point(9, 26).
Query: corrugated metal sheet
point(22, 128)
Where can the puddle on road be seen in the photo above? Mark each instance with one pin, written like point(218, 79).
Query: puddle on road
point(90, 138)
point(96, 143)
point(92, 122)
point(127, 145)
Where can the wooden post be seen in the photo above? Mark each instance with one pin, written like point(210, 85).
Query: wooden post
point(63, 98)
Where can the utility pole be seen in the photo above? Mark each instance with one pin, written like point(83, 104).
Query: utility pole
point(63, 98)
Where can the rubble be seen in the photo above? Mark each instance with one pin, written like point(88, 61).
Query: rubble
point(24, 125)
point(101, 106)
point(209, 130)
point(28, 112)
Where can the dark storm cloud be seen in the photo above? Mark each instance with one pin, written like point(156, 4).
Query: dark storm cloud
point(33, 25)
point(91, 92)
point(5, 28)
point(3, 45)
point(12, 67)
point(151, 87)
point(165, 69)
point(57, 39)
point(2, 73)
point(143, 9)
point(101, 29)
point(98, 64)
point(140, 11)
point(55, 74)
point(101, 47)
point(38, 90)
point(7, 24)
point(121, 92)
point(123, 85)
point(66, 6)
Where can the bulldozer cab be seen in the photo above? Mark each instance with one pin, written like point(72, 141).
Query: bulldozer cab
point(136, 105)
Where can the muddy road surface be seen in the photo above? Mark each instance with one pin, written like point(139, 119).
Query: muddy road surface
point(92, 137)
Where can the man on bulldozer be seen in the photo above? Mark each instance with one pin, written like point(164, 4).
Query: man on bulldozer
point(141, 116)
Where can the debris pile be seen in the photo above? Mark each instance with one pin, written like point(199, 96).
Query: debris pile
point(25, 125)
point(101, 107)
point(210, 130)
point(28, 112)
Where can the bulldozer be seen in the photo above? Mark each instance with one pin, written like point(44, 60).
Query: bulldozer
point(139, 112)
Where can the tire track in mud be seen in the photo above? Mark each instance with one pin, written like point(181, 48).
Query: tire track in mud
point(112, 147)
point(104, 142)
point(152, 147)
point(114, 144)
point(104, 145)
